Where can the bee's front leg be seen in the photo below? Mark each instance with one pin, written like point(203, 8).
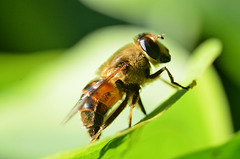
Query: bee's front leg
point(156, 74)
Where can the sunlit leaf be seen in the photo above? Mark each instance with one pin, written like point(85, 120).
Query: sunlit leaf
point(228, 150)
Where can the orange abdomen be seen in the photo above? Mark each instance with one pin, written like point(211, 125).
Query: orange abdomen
point(107, 95)
point(99, 101)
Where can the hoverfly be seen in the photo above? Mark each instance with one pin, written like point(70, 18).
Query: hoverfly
point(121, 76)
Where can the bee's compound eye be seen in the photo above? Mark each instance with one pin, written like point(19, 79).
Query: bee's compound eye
point(150, 47)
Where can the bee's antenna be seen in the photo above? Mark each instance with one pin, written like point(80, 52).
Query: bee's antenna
point(161, 36)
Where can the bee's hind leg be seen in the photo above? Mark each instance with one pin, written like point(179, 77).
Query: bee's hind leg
point(111, 118)
point(141, 106)
point(135, 100)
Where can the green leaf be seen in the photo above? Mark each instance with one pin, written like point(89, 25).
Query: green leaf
point(130, 142)
point(203, 57)
point(228, 150)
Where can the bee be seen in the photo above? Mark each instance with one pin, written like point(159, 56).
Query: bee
point(121, 78)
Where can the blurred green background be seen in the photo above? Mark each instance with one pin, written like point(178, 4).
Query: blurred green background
point(46, 46)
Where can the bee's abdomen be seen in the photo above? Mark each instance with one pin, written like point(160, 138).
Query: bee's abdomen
point(91, 121)
point(98, 102)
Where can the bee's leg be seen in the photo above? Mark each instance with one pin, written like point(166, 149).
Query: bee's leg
point(111, 118)
point(135, 99)
point(156, 74)
point(141, 106)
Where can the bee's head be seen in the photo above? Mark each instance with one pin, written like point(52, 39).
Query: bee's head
point(153, 48)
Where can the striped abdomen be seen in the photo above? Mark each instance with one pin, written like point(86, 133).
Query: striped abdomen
point(98, 100)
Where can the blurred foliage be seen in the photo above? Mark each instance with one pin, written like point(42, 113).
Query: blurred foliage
point(42, 74)
point(16, 66)
point(228, 150)
point(28, 25)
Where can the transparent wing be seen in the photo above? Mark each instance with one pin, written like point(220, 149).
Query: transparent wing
point(85, 99)
point(75, 109)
